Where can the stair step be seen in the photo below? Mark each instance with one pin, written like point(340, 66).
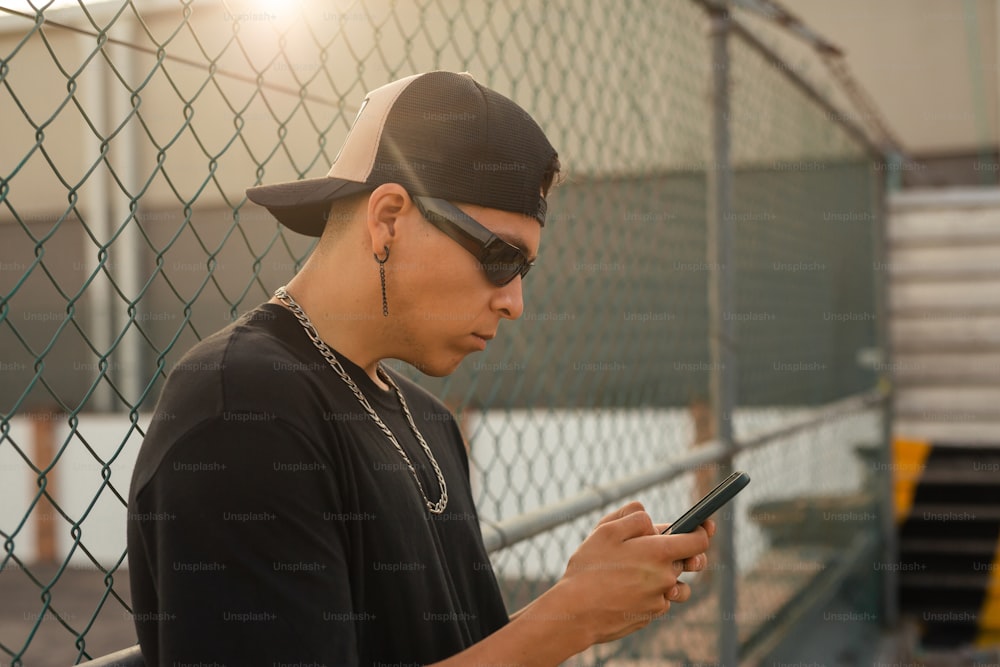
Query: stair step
point(948, 636)
point(956, 512)
point(943, 580)
point(931, 545)
point(958, 450)
point(948, 615)
point(961, 474)
point(948, 544)
point(955, 494)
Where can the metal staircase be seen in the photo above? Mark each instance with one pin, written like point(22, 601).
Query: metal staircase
point(949, 576)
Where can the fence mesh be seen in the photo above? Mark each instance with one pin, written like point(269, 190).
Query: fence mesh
point(132, 129)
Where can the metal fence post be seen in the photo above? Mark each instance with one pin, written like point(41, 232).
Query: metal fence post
point(95, 209)
point(127, 269)
point(884, 489)
point(722, 381)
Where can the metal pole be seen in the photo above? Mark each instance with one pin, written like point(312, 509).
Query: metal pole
point(94, 206)
point(722, 383)
point(127, 269)
point(884, 490)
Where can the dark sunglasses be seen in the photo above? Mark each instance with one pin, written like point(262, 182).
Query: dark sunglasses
point(501, 261)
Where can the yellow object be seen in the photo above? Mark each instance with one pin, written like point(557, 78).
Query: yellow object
point(989, 615)
point(909, 460)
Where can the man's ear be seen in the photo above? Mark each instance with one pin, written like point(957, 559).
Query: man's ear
point(386, 205)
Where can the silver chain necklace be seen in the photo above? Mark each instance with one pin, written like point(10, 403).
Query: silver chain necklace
point(324, 349)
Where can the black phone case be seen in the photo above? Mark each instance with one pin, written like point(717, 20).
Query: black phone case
point(708, 505)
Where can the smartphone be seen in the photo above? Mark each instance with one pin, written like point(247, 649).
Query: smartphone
point(707, 506)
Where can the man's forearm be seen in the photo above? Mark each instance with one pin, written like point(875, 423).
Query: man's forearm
point(542, 634)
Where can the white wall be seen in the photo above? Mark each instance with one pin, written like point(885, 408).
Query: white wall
point(930, 66)
point(77, 481)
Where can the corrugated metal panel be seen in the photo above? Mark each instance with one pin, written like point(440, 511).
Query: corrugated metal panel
point(944, 294)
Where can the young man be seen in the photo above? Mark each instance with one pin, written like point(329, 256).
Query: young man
point(298, 503)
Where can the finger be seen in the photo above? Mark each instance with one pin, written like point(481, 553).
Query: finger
point(659, 551)
point(665, 608)
point(695, 563)
point(683, 545)
point(681, 592)
point(632, 525)
point(625, 510)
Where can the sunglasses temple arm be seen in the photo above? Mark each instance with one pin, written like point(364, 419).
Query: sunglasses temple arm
point(468, 241)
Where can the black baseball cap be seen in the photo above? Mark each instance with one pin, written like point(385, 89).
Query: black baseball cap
point(438, 134)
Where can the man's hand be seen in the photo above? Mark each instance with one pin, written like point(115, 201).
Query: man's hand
point(625, 573)
point(622, 577)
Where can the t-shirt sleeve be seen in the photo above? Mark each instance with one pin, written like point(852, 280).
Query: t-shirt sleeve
point(241, 543)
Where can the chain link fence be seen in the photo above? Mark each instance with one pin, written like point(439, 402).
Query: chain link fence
point(132, 129)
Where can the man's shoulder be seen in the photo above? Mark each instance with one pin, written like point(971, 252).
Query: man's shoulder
point(255, 330)
point(256, 344)
point(252, 365)
point(234, 378)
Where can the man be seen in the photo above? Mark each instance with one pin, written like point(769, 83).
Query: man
point(298, 503)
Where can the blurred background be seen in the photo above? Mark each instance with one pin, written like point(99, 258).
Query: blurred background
point(777, 249)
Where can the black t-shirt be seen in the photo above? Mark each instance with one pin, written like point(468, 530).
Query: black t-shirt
point(272, 522)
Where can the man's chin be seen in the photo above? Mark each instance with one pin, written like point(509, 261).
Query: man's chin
point(439, 368)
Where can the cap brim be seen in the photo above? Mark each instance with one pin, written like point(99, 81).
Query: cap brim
point(302, 206)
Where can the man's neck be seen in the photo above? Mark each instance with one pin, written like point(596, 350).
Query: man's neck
point(340, 320)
